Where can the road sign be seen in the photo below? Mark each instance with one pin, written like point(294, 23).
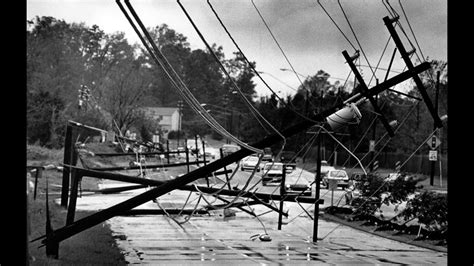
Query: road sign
point(433, 155)
point(433, 142)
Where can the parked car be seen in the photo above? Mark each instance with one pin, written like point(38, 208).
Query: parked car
point(228, 149)
point(299, 188)
point(267, 155)
point(325, 168)
point(288, 158)
point(272, 172)
point(211, 153)
point(339, 175)
point(249, 163)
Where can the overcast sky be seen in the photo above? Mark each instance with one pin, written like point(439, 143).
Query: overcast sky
point(308, 37)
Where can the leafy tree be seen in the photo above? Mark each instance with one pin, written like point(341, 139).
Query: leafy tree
point(175, 48)
point(63, 57)
point(42, 112)
point(53, 69)
point(419, 122)
point(125, 90)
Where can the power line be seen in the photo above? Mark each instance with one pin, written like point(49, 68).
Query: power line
point(409, 25)
point(292, 108)
point(355, 36)
point(251, 107)
point(335, 24)
point(174, 78)
point(279, 46)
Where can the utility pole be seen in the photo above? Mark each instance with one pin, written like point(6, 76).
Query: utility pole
point(226, 103)
point(372, 141)
point(433, 163)
point(231, 120)
point(318, 187)
point(282, 194)
point(180, 109)
point(305, 113)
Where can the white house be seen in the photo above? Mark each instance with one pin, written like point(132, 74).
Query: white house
point(168, 117)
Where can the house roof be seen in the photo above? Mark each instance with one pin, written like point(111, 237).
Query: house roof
point(166, 111)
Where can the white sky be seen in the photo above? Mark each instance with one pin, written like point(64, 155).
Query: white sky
point(307, 35)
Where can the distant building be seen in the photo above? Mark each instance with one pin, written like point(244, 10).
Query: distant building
point(167, 117)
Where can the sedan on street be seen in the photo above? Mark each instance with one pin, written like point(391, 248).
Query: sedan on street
point(340, 176)
point(249, 163)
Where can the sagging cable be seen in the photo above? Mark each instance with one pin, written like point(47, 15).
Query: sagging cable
point(181, 87)
point(291, 108)
point(251, 107)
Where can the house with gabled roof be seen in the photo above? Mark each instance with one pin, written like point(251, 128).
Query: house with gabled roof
point(167, 117)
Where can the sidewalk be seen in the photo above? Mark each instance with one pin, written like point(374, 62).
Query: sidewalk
point(213, 238)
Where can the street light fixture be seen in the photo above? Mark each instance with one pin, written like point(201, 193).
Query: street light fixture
point(347, 115)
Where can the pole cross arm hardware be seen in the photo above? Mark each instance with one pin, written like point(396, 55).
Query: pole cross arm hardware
point(406, 57)
point(365, 91)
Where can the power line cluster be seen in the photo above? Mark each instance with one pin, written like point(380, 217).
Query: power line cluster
point(186, 94)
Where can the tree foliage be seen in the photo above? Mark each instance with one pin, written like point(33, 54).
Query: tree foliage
point(430, 208)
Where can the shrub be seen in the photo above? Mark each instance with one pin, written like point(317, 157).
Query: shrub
point(376, 190)
point(430, 208)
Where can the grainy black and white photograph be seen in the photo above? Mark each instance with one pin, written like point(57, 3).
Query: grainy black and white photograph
point(236, 132)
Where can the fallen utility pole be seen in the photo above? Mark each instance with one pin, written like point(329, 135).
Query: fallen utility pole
point(101, 216)
point(70, 155)
point(52, 239)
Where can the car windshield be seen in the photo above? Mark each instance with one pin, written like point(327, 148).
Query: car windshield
point(324, 163)
point(230, 148)
point(337, 174)
point(252, 159)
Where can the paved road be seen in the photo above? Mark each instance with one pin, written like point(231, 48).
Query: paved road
point(299, 176)
point(223, 239)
